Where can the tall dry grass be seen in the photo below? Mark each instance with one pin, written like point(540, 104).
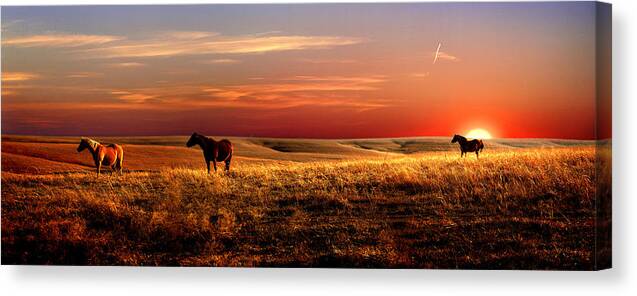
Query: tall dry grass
point(526, 208)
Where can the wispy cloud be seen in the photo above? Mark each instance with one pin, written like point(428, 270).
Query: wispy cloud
point(420, 75)
point(13, 82)
point(284, 93)
point(340, 79)
point(18, 76)
point(189, 43)
point(328, 61)
point(127, 65)
point(273, 32)
point(301, 90)
point(7, 91)
point(295, 86)
point(161, 93)
point(187, 35)
point(445, 57)
point(37, 89)
point(59, 40)
point(83, 75)
point(132, 97)
point(222, 61)
point(350, 92)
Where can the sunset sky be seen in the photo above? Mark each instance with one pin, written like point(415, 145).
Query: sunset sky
point(311, 70)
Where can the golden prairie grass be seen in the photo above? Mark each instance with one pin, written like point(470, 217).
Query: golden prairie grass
point(517, 208)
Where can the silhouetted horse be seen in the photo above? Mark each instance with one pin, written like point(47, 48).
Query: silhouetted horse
point(109, 155)
point(468, 146)
point(212, 150)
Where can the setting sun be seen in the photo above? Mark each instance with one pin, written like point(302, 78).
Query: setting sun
point(478, 133)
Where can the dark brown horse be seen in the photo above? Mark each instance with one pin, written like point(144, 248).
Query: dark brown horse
point(109, 155)
point(475, 145)
point(212, 150)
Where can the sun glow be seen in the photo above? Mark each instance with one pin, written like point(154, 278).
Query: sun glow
point(478, 133)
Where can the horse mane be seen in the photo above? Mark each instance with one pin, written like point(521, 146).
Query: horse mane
point(204, 138)
point(91, 143)
point(458, 138)
point(199, 139)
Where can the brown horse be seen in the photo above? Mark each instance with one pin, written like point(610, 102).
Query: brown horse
point(212, 150)
point(109, 155)
point(468, 146)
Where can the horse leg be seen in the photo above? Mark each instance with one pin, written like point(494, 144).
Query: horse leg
point(228, 162)
point(214, 163)
point(208, 164)
point(99, 166)
point(477, 155)
point(120, 163)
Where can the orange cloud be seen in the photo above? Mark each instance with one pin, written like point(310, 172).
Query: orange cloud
point(127, 65)
point(305, 90)
point(190, 35)
point(301, 85)
point(446, 56)
point(11, 81)
point(292, 92)
point(164, 93)
point(70, 90)
point(341, 79)
point(189, 43)
point(420, 75)
point(18, 76)
point(328, 61)
point(299, 91)
point(83, 75)
point(60, 40)
point(223, 61)
point(7, 92)
point(132, 97)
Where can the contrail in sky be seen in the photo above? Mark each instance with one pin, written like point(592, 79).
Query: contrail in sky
point(437, 51)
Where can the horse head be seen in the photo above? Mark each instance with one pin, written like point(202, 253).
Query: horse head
point(82, 145)
point(86, 143)
point(456, 138)
point(194, 139)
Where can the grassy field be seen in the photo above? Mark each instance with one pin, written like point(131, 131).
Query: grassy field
point(387, 203)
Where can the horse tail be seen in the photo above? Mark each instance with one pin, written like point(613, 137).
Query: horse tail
point(480, 145)
point(120, 159)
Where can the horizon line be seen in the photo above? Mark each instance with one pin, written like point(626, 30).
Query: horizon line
point(302, 138)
